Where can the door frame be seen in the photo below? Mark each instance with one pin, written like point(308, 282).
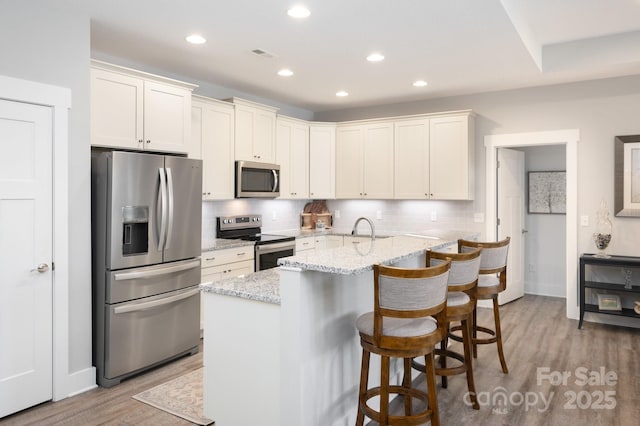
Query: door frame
point(569, 138)
point(59, 99)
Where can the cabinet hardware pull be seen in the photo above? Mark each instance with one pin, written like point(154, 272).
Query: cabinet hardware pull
point(210, 258)
point(241, 254)
point(140, 140)
point(148, 140)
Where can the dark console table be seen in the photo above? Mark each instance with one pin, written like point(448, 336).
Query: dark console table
point(629, 262)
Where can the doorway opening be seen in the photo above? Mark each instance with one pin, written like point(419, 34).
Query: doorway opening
point(569, 138)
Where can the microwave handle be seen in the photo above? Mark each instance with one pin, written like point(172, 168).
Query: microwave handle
point(275, 180)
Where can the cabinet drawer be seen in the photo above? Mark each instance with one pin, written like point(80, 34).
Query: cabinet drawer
point(230, 270)
point(221, 257)
point(306, 243)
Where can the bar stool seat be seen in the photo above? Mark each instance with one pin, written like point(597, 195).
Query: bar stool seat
point(407, 322)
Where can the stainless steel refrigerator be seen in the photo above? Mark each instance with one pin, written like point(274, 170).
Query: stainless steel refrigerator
point(146, 214)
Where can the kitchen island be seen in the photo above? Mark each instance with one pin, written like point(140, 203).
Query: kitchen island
point(280, 346)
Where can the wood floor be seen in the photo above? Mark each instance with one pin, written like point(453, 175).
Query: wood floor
point(537, 336)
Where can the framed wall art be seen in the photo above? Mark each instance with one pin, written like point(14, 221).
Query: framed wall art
point(627, 176)
point(547, 192)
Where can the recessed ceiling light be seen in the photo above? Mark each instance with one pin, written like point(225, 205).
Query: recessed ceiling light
point(419, 83)
point(342, 93)
point(375, 57)
point(196, 39)
point(285, 73)
point(298, 12)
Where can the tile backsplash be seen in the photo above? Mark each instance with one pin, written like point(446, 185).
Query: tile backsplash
point(388, 216)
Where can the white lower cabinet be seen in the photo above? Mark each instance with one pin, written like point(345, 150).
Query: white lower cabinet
point(227, 263)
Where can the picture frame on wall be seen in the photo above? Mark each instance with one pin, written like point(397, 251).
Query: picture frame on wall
point(627, 176)
point(547, 192)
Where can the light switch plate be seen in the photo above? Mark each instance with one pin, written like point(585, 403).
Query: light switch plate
point(478, 217)
point(584, 220)
point(434, 216)
point(379, 215)
point(337, 214)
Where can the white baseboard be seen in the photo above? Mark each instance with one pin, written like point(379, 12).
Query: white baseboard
point(79, 382)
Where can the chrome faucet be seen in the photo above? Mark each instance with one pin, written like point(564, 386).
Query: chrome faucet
point(354, 232)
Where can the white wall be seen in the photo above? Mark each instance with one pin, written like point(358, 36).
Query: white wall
point(600, 109)
point(545, 252)
point(31, 36)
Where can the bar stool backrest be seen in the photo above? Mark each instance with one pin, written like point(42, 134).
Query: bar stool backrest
point(494, 254)
point(464, 270)
point(408, 293)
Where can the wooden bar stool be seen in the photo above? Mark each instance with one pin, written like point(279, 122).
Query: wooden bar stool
point(461, 304)
point(491, 282)
point(402, 326)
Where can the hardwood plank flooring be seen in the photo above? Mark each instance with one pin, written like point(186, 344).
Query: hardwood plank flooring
point(536, 336)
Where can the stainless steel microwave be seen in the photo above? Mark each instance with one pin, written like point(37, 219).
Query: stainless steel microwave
point(257, 180)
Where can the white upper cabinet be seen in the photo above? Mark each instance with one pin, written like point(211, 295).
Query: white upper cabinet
point(322, 161)
point(135, 110)
point(255, 131)
point(451, 166)
point(434, 158)
point(364, 161)
point(411, 159)
point(292, 154)
point(213, 134)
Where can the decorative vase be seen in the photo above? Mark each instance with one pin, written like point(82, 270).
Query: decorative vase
point(602, 235)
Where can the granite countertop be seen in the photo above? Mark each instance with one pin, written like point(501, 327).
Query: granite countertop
point(221, 244)
point(357, 258)
point(262, 286)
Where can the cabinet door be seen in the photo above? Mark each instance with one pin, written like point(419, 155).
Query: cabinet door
point(322, 165)
point(378, 161)
point(450, 154)
point(349, 165)
point(167, 117)
point(264, 136)
point(116, 110)
point(411, 159)
point(292, 154)
point(244, 128)
point(217, 151)
point(333, 241)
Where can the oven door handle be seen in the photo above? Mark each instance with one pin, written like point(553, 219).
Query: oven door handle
point(143, 306)
point(267, 248)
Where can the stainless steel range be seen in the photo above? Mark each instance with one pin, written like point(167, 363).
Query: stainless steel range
point(268, 247)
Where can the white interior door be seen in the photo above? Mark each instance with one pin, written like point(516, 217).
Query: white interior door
point(511, 219)
point(25, 255)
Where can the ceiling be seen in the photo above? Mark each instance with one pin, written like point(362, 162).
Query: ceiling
point(457, 46)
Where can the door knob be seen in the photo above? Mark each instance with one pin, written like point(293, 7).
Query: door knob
point(43, 267)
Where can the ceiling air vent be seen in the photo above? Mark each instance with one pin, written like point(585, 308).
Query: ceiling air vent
point(263, 53)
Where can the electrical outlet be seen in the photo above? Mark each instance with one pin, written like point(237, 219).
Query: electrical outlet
point(478, 217)
point(584, 220)
point(434, 216)
point(274, 215)
point(337, 214)
point(379, 215)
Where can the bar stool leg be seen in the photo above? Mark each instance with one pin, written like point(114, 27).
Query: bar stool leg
point(467, 343)
point(364, 383)
point(443, 358)
point(430, 373)
point(474, 332)
point(406, 383)
point(496, 316)
point(384, 392)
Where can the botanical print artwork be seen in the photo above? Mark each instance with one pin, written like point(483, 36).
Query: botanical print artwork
point(635, 175)
point(547, 192)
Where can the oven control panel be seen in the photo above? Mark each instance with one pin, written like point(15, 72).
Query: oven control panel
point(239, 222)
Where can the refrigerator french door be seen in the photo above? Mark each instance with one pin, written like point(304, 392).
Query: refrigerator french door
point(146, 231)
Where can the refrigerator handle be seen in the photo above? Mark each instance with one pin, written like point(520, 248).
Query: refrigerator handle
point(156, 303)
point(163, 208)
point(171, 207)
